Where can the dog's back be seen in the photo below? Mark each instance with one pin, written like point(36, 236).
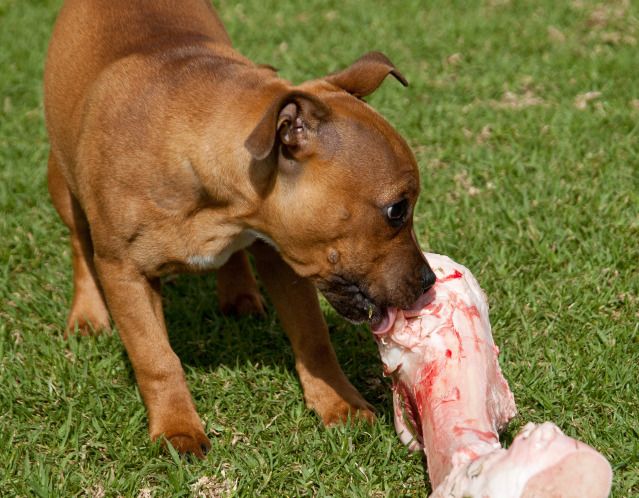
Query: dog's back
point(89, 35)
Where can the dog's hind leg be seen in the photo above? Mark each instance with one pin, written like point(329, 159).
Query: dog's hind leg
point(88, 310)
point(237, 289)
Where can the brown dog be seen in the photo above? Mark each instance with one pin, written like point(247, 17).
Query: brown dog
point(172, 152)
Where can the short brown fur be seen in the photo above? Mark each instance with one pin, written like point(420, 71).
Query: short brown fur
point(172, 152)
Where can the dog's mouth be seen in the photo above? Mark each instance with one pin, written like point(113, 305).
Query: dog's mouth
point(350, 299)
point(353, 301)
point(385, 322)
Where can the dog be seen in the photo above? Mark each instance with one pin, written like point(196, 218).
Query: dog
point(171, 152)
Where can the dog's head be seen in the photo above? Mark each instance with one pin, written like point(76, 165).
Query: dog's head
point(341, 190)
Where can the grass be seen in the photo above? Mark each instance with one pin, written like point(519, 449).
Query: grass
point(527, 179)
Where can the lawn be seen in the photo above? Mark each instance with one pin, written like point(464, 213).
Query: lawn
point(524, 117)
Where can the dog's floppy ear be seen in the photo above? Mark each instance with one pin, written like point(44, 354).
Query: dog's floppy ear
point(365, 75)
point(292, 118)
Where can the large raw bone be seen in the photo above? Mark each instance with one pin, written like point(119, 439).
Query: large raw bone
point(451, 399)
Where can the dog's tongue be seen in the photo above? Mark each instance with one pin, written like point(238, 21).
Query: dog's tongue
point(386, 323)
point(422, 302)
point(390, 314)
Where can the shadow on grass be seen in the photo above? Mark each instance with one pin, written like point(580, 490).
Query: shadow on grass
point(204, 339)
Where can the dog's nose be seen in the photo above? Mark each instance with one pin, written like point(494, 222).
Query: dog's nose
point(427, 278)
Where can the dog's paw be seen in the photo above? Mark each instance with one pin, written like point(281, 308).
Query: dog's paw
point(334, 408)
point(245, 304)
point(337, 402)
point(196, 444)
point(342, 412)
point(87, 322)
point(178, 424)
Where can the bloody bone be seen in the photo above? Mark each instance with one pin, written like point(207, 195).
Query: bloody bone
point(451, 399)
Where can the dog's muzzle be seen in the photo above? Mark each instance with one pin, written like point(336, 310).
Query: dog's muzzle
point(351, 299)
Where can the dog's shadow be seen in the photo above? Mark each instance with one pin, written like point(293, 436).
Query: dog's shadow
point(204, 338)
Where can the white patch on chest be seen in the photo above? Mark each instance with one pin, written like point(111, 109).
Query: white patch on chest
point(214, 261)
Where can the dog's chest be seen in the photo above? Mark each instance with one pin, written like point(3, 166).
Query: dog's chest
point(211, 260)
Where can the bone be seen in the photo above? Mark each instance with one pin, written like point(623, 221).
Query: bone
point(451, 400)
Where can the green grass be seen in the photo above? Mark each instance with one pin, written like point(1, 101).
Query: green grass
point(539, 198)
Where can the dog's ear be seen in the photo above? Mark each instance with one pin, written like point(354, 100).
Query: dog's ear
point(293, 119)
point(365, 75)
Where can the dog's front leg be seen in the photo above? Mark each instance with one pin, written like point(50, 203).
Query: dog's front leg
point(136, 306)
point(326, 388)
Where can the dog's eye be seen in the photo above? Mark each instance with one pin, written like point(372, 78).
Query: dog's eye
point(396, 214)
